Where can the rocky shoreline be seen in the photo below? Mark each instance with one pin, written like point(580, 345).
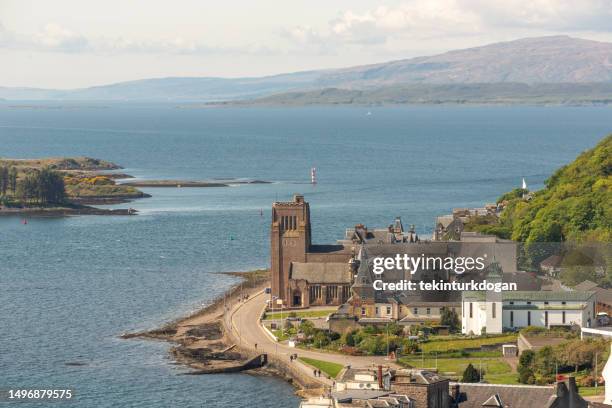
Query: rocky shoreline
point(200, 339)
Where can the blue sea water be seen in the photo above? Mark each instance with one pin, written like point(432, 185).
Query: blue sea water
point(70, 286)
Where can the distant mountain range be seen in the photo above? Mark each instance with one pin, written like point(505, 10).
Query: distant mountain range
point(555, 69)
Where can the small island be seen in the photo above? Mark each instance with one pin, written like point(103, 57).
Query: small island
point(63, 186)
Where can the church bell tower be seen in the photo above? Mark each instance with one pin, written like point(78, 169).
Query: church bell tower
point(289, 241)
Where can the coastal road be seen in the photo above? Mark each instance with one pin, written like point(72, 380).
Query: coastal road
point(246, 327)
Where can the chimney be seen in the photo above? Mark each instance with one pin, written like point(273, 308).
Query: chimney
point(380, 378)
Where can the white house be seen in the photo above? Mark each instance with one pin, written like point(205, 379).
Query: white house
point(491, 313)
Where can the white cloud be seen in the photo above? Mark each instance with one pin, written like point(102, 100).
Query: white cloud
point(421, 17)
point(439, 19)
point(56, 38)
point(412, 24)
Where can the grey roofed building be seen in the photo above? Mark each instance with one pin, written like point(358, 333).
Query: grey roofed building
point(370, 399)
point(523, 280)
point(532, 296)
point(418, 376)
point(587, 285)
point(562, 395)
point(603, 296)
point(429, 298)
point(321, 272)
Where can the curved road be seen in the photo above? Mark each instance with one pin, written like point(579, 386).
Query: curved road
point(246, 327)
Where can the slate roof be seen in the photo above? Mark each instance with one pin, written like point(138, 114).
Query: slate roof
point(547, 296)
point(476, 395)
point(536, 296)
point(552, 261)
point(429, 298)
point(445, 220)
point(523, 280)
point(321, 272)
point(562, 395)
point(417, 376)
point(585, 286)
point(603, 295)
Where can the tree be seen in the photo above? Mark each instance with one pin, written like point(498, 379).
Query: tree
point(51, 187)
point(580, 353)
point(525, 367)
point(526, 376)
point(470, 375)
point(45, 186)
point(373, 345)
point(526, 359)
point(320, 339)
point(13, 179)
point(307, 327)
point(28, 188)
point(349, 338)
point(4, 180)
point(449, 318)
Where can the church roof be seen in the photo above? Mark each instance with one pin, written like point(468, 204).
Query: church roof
point(321, 272)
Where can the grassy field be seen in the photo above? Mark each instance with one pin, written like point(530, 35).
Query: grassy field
point(496, 370)
point(331, 369)
point(302, 314)
point(444, 345)
point(89, 190)
point(283, 335)
point(591, 391)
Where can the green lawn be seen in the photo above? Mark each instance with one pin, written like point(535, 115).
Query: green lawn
point(496, 370)
point(302, 314)
point(331, 369)
point(443, 345)
point(283, 335)
point(590, 391)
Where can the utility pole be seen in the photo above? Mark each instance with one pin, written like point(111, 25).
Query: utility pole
point(387, 340)
point(282, 325)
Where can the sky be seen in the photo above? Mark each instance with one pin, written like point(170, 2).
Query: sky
point(78, 43)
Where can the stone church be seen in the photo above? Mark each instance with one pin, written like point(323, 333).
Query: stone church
point(304, 274)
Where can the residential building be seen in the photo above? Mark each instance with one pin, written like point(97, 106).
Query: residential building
point(526, 308)
point(564, 394)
